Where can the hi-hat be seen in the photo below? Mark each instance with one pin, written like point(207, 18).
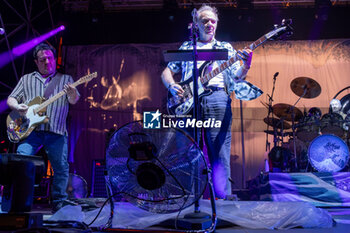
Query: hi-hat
point(285, 111)
point(277, 123)
point(305, 85)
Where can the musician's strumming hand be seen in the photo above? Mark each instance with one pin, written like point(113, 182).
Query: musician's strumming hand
point(176, 89)
point(245, 55)
point(22, 109)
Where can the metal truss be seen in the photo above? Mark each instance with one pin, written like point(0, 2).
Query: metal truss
point(127, 5)
point(20, 20)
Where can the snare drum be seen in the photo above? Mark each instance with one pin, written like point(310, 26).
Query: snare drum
point(328, 153)
point(332, 123)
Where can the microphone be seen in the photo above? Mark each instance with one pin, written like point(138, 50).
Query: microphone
point(194, 14)
point(275, 75)
point(2, 31)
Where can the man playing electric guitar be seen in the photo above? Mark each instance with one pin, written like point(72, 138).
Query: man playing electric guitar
point(52, 135)
point(217, 105)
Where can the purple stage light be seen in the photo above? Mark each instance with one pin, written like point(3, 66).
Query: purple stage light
point(5, 57)
point(3, 105)
point(21, 49)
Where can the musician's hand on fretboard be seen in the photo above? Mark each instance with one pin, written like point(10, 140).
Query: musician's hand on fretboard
point(176, 89)
point(245, 55)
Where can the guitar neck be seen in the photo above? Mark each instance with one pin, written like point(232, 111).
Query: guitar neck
point(54, 98)
point(229, 62)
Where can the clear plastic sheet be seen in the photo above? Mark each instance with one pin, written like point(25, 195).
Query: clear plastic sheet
point(249, 214)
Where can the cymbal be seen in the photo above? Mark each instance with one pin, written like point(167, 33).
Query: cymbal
point(277, 123)
point(272, 132)
point(345, 104)
point(285, 111)
point(311, 87)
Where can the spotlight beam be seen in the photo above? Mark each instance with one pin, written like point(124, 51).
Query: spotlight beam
point(5, 57)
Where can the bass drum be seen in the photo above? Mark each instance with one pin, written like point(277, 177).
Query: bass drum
point(328, 153)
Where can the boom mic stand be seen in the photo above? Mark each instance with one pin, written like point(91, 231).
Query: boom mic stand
point(197, 220)
point(270, 110)
point(197, 215)
point(293, 128)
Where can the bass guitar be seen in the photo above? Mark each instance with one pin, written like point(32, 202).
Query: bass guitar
point(177, 105)
point(19, 127)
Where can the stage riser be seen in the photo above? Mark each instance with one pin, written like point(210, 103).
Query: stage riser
point(321, 189)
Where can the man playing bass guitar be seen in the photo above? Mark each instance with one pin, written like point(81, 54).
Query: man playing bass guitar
point(217, 105)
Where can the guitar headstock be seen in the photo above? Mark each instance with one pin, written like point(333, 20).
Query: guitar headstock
point(87, 78)
point(285, 29)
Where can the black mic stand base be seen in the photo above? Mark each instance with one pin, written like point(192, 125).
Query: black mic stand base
point(192, 221)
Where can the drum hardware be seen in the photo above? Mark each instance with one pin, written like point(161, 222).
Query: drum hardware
point(332, 123)
point(345, 103)
point(308, 127)
point(301, 153)
point(315, 112)
point(278, 133)
point(279, 158)
point(305, 87)
point(277, 123)
point(285, 111)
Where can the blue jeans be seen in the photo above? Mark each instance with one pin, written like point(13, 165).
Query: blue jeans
point(55, 146)
point(218, 140)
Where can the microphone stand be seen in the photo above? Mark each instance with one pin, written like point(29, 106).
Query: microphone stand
point(267, 147)
point(293, 128)
point(194, 36)
point(197, 220)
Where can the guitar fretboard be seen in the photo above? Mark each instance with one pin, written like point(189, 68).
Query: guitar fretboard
point(229, 62)
point(62, 93)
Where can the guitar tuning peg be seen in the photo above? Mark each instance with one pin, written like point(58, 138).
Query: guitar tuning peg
point(275, 26)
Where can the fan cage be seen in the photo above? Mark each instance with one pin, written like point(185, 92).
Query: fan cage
point(180, 159)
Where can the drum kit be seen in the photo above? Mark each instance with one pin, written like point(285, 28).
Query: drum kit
point(308, 141)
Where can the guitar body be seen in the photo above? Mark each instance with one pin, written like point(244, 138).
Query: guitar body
point(19, 127)
point(177, 105)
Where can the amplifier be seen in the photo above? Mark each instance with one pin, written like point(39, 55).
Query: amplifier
point(98, 182)
point(12, 221)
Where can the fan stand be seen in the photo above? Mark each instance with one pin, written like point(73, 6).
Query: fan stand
point(196, 221)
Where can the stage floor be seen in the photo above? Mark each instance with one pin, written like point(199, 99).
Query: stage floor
point(341, 217)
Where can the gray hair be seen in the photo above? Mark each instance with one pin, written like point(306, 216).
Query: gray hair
point(204, 7)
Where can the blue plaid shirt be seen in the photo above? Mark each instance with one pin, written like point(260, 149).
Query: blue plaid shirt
point(233, 75)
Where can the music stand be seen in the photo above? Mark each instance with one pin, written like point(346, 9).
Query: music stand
point(203, 55)
point(197, 219)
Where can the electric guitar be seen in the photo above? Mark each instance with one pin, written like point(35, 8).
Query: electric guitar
point(19, 127)
point(177, 105)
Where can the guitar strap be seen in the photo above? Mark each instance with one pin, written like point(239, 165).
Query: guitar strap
point(53, 83)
